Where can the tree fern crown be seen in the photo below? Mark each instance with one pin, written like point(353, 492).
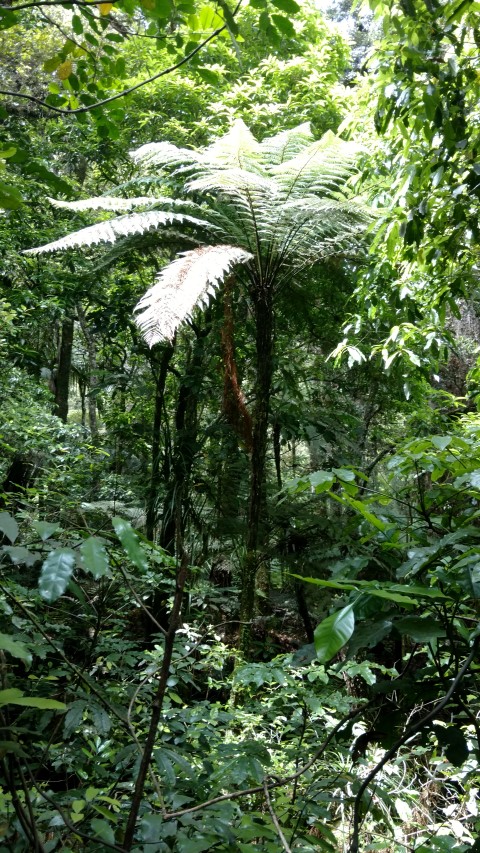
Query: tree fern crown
point(272, 207)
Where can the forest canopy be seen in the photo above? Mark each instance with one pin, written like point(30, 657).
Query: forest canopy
point(239, 426)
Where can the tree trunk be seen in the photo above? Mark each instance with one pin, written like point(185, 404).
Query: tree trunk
point(92, 373)
point(257, 504)
point(155, 473)
point(64, 363)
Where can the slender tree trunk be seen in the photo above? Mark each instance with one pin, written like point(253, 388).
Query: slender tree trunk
point(92, 373)
point(64, 363)
point(257, 505)
point(186, 430)
point(155, 473)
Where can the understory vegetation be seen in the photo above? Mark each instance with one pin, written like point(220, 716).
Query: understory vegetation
point(239, 427)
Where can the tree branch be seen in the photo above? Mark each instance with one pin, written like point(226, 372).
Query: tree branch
point(169, 70)
point(275, 818)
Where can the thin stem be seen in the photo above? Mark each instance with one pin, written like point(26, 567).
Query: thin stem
point(274, 817)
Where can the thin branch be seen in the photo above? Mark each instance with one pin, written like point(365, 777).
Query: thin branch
point(34, 4)
point(275, 818)
point(125, 92)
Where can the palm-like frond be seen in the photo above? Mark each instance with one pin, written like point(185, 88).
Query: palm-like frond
point(103, 202)
point(282, 204)
point(113, 229)
point(182, 285)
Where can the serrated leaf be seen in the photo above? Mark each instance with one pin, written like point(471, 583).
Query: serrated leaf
point(94, 557)
point(45, 529)
point(15, 647)
point(131, 545)
point(284, 25)
point(333, 633)
point(103, 830)
point(52, 64)
point(55, 574)
point(8, 526)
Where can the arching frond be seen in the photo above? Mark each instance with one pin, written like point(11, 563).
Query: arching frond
point(237, 147)
point(287, 144)
point(165, 154)
point(181, 286)
point(122, 226)
point(234, 181)
point(103, 202)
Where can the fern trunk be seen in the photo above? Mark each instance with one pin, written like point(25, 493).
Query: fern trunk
point(64, 364)
point(257, 523)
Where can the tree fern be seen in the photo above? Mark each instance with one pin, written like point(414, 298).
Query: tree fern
point(271, 209)
point(182, 285)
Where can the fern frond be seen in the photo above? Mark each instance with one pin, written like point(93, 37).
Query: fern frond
point(165, 154)
point(287, 144)
point(104, 202)
point(182, 285)
point(237, 147)
point(234, 181)
point(113, 229)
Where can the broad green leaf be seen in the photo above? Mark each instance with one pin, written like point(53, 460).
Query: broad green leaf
point(94, 557)
point(52, 64)
point(321, 481)
point(15, 647)
point(74, 717)
point(8, 526)
point(13, 696)
point(441, 441)
point(56, 572)
point(10, 198)
point(18, 555)
point(344, 474)
point(289, 6)
point(103, 830)
point(421, 629)
point(131, 545)
point(368, 516)
point(400, 595)
point(333, 633)
point(45, 529)
point(101, 721)
point(284, 25)
point(452, 739)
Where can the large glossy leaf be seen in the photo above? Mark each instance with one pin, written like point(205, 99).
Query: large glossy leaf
point(422, 629)
point(15, 647)
point(56, 572)
point(333, 633)
point(131, 545)
point(45, 529)
point(13, 696)
point(8, 526)
point(94, 557)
